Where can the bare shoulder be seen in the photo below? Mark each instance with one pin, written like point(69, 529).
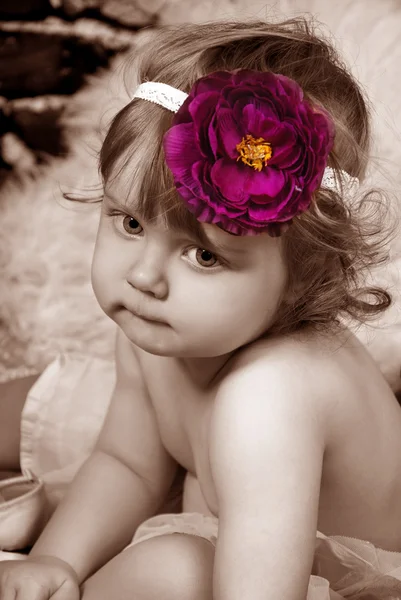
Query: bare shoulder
point(129, 407)
point(332, 378)
point(271, 386)
point(287, 367)
point(130, 431)
point(302, 375)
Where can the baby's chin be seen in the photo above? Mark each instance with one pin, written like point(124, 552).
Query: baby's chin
point(164, 341)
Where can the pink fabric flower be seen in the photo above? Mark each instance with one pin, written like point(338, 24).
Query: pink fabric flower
point(247, 151)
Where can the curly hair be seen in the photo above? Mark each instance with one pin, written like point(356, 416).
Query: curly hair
point(329, 247)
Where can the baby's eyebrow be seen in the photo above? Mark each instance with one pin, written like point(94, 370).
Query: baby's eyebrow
point(218, 247)
point(223, 249)
point(123, 206)
point(118, 203)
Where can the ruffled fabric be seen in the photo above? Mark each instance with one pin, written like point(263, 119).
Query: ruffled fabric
point(343, 568)
point(354, 569)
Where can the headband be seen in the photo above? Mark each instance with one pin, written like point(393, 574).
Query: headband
point(246, 149)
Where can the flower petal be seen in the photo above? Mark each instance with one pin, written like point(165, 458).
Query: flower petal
point(267, 182)
point(211, 131)
point(180, 149)
point(228, 132)
point(228, 178)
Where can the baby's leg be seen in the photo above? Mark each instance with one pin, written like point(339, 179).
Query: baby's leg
point(172, 566)
point(12, 399)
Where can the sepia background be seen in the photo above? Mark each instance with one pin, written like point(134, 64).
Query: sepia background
point(59, 75)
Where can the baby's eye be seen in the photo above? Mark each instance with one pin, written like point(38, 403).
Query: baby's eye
point(204, 258)
point(131, 225)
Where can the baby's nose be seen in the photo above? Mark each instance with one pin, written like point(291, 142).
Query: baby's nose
point(148, 274)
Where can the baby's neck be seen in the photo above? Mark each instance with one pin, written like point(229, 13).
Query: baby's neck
point(205, 371)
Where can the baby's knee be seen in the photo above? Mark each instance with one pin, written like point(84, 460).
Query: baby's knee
point(172, 567)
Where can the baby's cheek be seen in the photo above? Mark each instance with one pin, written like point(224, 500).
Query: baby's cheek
point(99, 281)
point(95, 271)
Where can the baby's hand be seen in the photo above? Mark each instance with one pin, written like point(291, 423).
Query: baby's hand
point(38, 578)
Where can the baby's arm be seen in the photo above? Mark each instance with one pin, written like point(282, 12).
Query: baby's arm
point(122, 483)
point(267, 446)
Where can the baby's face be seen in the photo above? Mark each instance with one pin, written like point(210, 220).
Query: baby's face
point(173, 298)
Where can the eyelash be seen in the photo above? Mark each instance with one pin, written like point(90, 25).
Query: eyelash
point(118, 218)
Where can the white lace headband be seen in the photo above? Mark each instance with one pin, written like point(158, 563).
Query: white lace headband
point(171, 98)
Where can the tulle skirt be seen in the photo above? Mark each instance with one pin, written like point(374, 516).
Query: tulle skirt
point(342, 568)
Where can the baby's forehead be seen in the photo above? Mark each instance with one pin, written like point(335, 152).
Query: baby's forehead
point(169, 212)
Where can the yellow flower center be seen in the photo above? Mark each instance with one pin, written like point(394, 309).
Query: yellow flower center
point(254, 152)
